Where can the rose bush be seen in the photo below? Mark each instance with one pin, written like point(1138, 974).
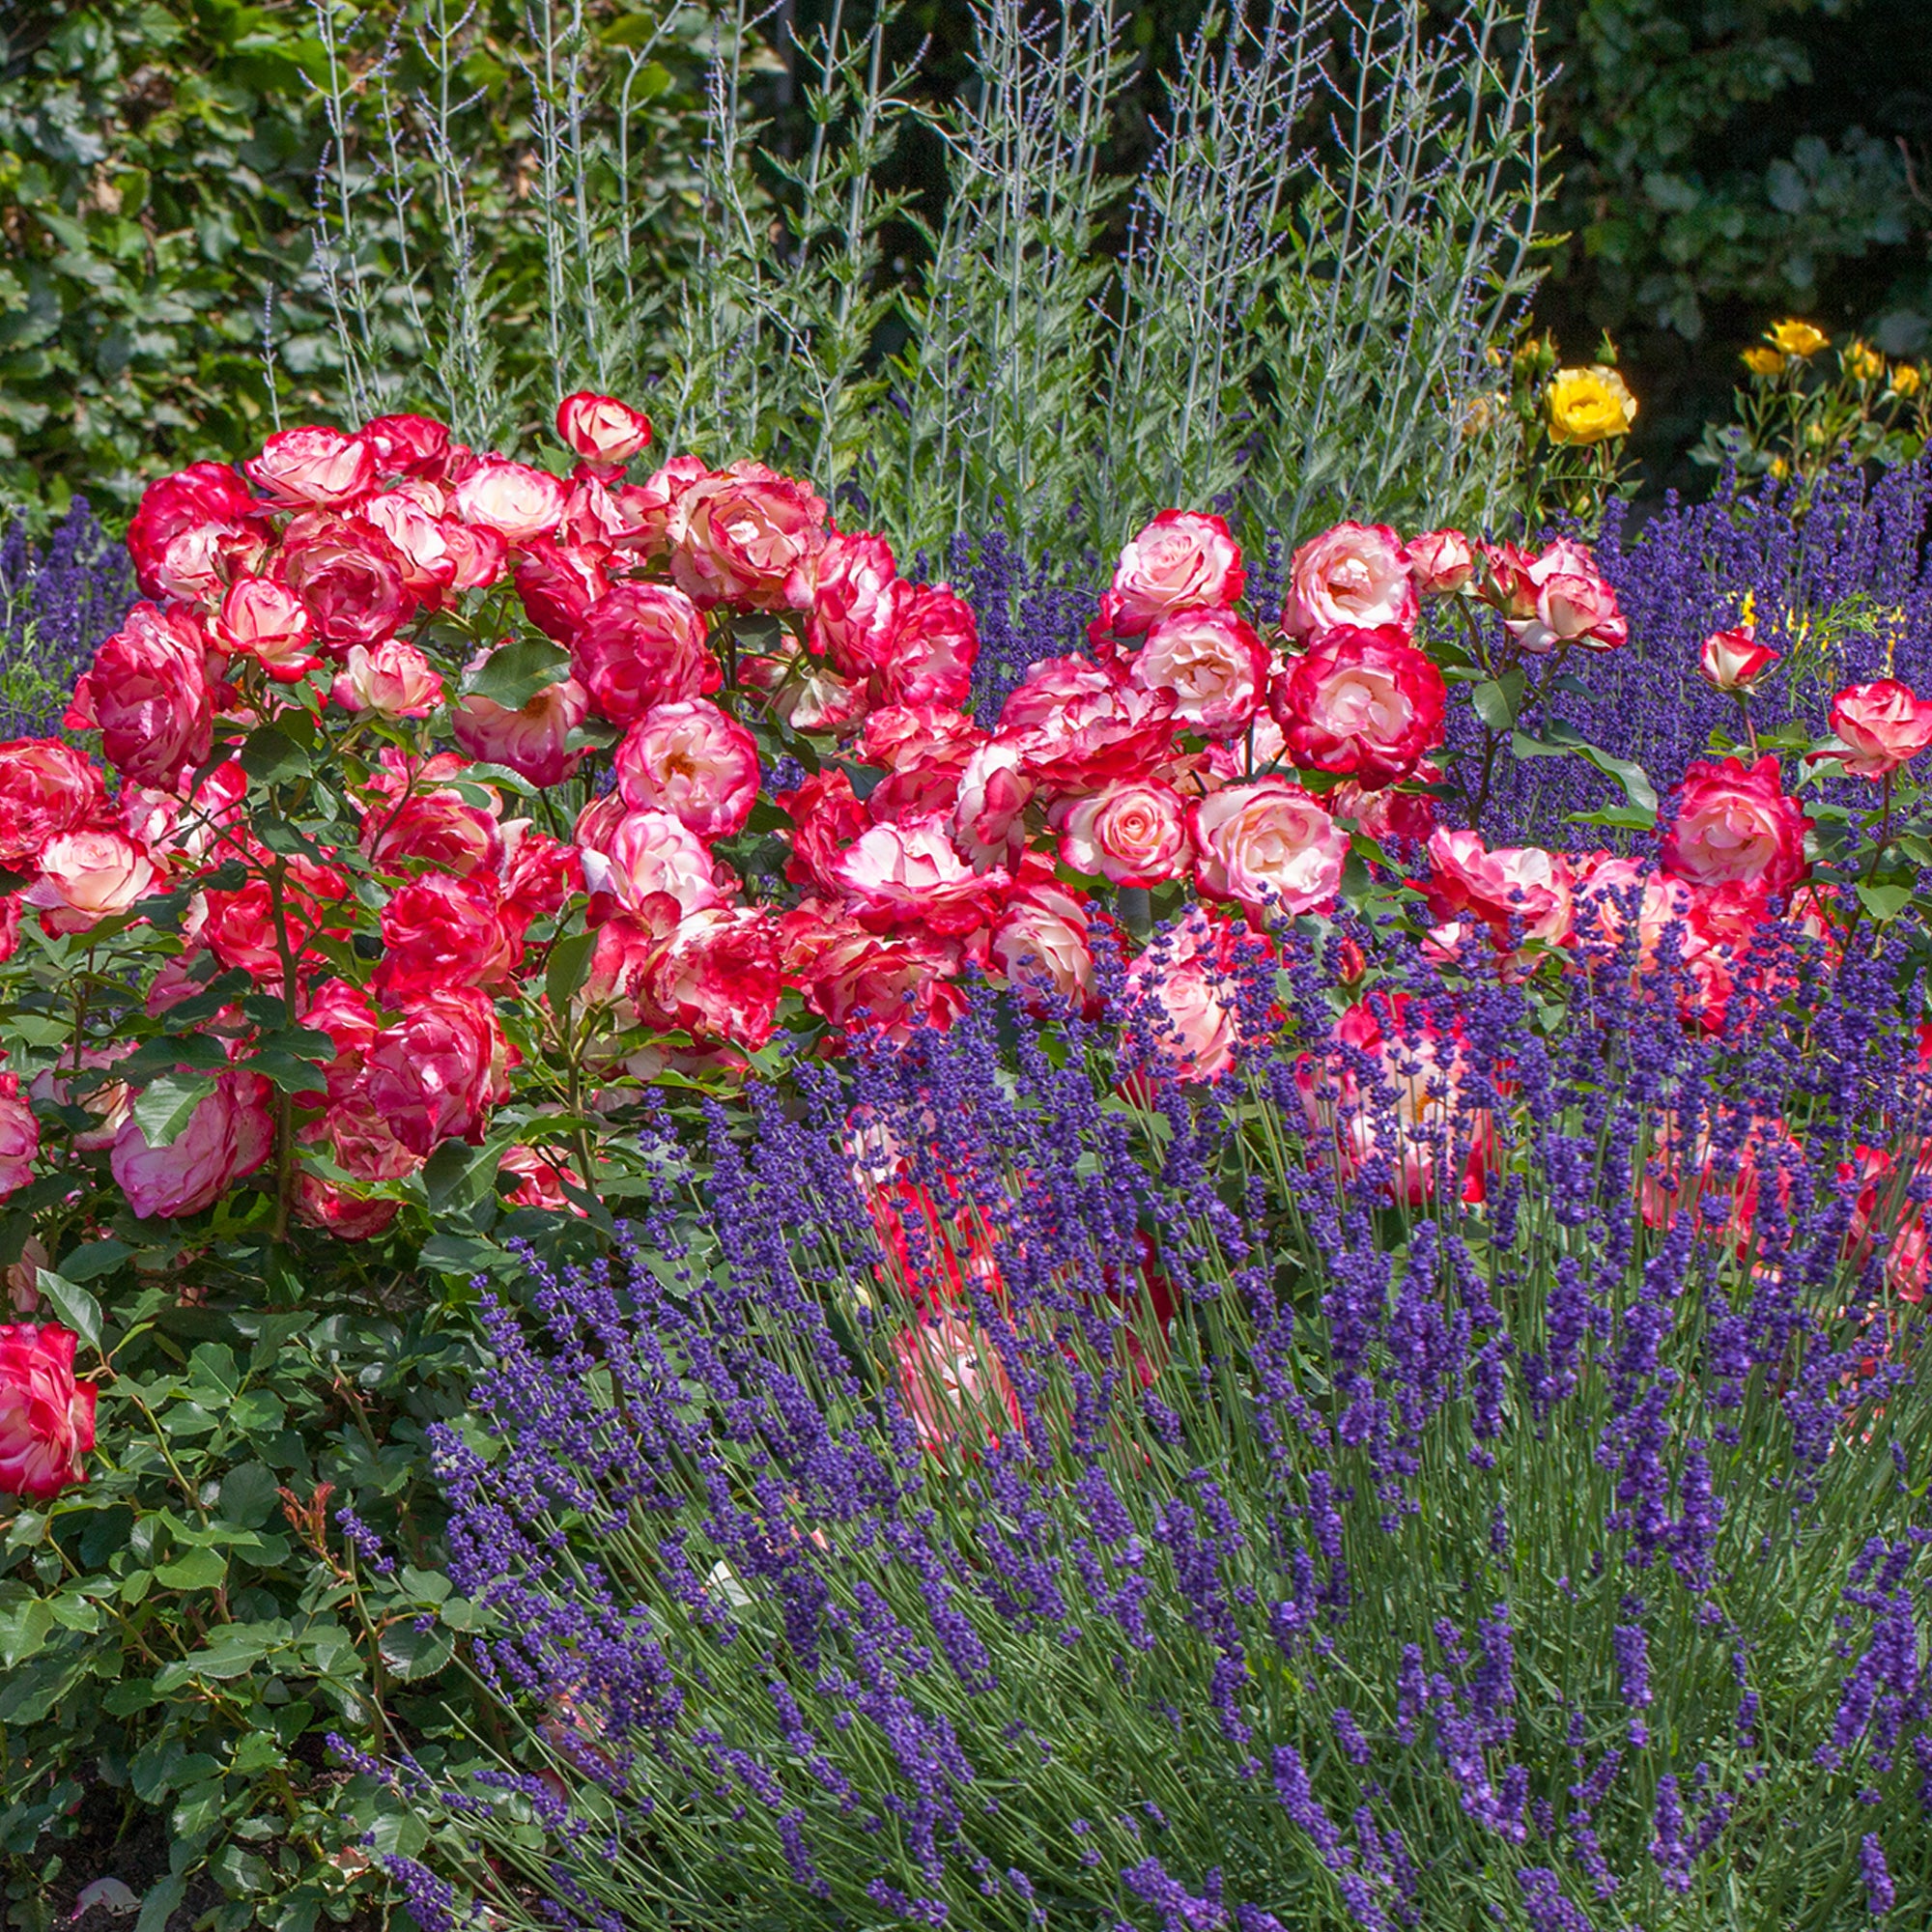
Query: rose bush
point(438, 822)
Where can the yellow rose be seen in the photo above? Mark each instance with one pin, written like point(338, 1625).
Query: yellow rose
point(1798, 338)
point(1905, 379)
point(1864, 363)
point(1589, 405)
point(1763, 361)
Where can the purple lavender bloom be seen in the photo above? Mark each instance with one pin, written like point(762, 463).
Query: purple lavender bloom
point(1877, 1875)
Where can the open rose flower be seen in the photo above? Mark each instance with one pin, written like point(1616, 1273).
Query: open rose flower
point(866, 982)
point(353, 582)
point(19, 1136)
point(533, 740)
point(746, 536)
point(952, 1384)
point(227, 1137)
point(445, 929)
point(45, 787)
point(602, 429)
point(1134, 834)
point(186, 525)
point(912, 873)
point(241, 928)
point(266, 621)
point(1520, 893)
point(1040, 946)
point(1180, 561)
point(1183, 997)
point(147, 692)
point(928, 657)
point(855, 599)
point(436, 1073)
point(1365, 704)
point(1387, 1099)
point(408, 445)
point(1356, 575)
point(556, 585)
point(1268, 845)
point(1211, 664)
point(642, 645)
point(716, 975)
point(392, 679)
point(651, 854)
point(46, 1418)
point(689, 757)
point(1441, 562)
point(1735, 823)
point(989, 805)
point(314, 465)
point(511, 499)
point(1882, 725)
point(1078, 727)
point(87, 876)
point(1573, 603)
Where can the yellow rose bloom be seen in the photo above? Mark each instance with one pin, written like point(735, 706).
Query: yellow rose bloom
point(1589, 405)
point(1798, 338)
point(1763, 361)
point(1905, 379)
point(1865, 363)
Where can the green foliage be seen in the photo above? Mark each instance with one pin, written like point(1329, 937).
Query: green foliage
point(180, 1633)
point(154, 164)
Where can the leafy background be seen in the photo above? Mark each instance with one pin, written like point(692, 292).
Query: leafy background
point(1722, 163)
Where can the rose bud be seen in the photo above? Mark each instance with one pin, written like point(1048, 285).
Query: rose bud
point(602, 429)
point(1735, 660)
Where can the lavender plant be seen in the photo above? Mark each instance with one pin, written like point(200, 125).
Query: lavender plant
point(57, 602)
point(1331, 233)
point(1468, 1468)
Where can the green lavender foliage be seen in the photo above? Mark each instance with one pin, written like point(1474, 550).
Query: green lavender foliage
point(1333, 228)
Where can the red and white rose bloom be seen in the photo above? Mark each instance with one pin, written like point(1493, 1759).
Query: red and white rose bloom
point(1211, 666)
point(1735, 823)
point(1574, 604)
point(1183, 560)
point(1882, 725)
point(1734, 660)
point(46, 1416)
point(691, 758)
point(1132, 834)
point(1355, 575)
point(1364, 705)
point(1268, 846)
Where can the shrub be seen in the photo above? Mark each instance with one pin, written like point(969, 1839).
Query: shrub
point(1464, 1467)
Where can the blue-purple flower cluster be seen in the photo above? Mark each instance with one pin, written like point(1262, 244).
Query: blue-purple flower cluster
point(1000, 1490)
point(57, 603)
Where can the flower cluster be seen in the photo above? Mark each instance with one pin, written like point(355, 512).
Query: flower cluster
point(1381, 1568)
